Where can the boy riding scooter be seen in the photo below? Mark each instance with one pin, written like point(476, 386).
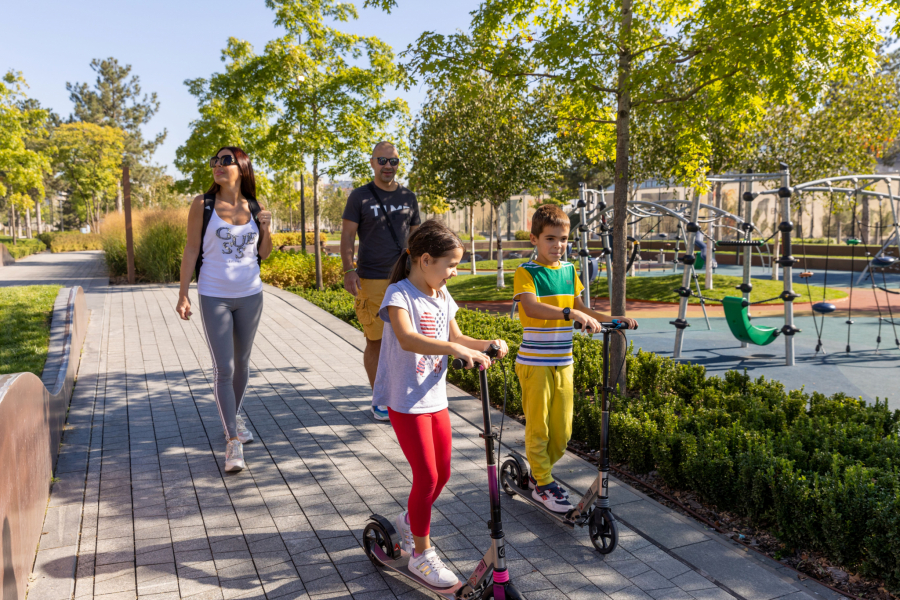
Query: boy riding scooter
point(548, 291)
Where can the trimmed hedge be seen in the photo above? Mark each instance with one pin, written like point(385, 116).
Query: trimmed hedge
point(294, 269)
point(71, 241)
point(822, 473)
point(521, 234)
point(296, 239)
point(23, 247)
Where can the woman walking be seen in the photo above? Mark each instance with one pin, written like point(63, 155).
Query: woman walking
point(228, 235)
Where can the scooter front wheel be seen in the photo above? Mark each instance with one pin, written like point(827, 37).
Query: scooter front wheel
point(603, 531)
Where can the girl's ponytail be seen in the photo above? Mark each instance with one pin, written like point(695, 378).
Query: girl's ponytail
point(433, 238)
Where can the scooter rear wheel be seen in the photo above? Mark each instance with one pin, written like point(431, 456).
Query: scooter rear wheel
point(511, 470)
point(375, 535)
point(603, 531)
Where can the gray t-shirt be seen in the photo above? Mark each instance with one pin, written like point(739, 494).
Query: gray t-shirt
point(378, 253)
point(408, 382)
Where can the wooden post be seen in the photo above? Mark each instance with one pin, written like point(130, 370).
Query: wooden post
point(129, 236)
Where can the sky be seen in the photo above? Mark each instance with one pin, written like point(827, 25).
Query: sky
point(169, 41)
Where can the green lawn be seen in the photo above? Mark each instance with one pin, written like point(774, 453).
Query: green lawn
point(509, 264)
point(25, 314)
point(661, 289)
point(466, 288)
point(22, 248)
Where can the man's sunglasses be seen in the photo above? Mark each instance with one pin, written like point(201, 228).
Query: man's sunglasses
point(393, 161)
point(224, 161)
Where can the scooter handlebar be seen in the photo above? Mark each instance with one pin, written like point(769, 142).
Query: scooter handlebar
point(491, 352)
point(615, 324)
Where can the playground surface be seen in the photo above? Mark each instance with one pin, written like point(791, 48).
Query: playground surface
point(142, 509)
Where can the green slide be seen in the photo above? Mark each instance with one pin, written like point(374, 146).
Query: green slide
point(739, 323)
point(699, 262)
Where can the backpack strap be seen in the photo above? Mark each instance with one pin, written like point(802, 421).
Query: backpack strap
point(209, 204)
point(254, 212)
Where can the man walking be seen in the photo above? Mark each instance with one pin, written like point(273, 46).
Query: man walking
point(383, 213)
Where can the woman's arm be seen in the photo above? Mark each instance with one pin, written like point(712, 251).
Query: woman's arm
point(413, 341)
point(457, 337)
point(265, 234)
point(189, 258)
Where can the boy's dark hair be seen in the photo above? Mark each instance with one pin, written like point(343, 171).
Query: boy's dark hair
point(548, 215)
point(433, 238)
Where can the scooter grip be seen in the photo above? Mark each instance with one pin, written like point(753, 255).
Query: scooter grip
point(491, 352)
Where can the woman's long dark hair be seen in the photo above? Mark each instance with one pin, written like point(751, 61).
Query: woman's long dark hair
point(432, 238)
point(248, 180)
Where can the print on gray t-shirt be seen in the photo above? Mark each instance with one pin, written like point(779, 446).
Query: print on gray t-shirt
point(408, 382)
point(377, 251)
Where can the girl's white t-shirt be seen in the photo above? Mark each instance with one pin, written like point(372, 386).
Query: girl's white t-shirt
point(408, 382)
point(229, 268)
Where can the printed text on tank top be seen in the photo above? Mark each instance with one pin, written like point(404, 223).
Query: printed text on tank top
point(234, 243)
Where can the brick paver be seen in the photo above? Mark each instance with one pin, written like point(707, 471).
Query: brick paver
point(142, 507)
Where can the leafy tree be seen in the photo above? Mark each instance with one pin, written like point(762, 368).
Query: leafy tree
point(482, 141)
point(88, 159)
point(230, 115)
point(324, 90)
point(674, 62)
point(22, 168)
point(116, 101)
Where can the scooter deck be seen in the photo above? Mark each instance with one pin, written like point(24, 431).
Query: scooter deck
point(526, 495)
point(401, 567)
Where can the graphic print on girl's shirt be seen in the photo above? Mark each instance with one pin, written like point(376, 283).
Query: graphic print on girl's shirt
point(432, 327)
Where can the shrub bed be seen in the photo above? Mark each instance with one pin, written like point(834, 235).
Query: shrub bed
point(71, 241)
point(822, 473)
point(159, 239)
point(296, 239)
point(297, 270)
point(521, 234)
point(24, 246)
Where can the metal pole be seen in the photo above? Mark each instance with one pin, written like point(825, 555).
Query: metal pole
point(681, 322)
point(787, 262)
point(746, 286)
point(583, 253)
point(129, 235)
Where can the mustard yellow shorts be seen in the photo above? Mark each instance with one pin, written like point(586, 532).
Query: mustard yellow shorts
point(368, 302)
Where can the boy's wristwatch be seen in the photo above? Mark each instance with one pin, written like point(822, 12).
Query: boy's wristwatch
point(566, 312)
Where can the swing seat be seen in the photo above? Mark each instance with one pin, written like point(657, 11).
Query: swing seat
point(881, 262)
point(853, 242)
point(739, 323)
point(806, 274)
point(824, 308)
point(699, 261)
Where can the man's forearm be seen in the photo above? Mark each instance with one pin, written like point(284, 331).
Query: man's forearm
point(347, 246)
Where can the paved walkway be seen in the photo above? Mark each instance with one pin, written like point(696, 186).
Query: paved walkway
point(142, 508)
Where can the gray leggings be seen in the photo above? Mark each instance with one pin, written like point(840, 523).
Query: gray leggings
point(230, 326)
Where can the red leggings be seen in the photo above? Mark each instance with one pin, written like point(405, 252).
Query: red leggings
point(426, 441)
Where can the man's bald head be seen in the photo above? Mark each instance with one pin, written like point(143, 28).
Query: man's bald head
point(383, 145)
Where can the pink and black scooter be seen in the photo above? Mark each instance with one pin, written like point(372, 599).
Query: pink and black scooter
point(381, 540)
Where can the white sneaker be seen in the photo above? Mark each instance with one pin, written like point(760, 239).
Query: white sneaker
point(234, 456)
point(552, 498)
point(532, 484)
point(407, 543)
point(430, 569)
point(243, 433)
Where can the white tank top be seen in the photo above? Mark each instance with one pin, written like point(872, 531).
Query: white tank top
point(229, 267)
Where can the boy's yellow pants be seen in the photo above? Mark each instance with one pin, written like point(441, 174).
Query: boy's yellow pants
point(547, 401)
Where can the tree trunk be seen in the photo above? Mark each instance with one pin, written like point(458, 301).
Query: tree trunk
point(491, 236)
point(864, 229)
point(316, 246)
point(501, 281)
point(13, 226)
point(40, 224)
point(620, 198)
point(302, 208)
point(473, 268)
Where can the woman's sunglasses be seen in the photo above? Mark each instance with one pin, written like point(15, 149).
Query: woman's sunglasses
point(224, 161)
point(393, 161)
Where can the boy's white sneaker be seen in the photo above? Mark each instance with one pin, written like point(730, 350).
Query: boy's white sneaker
point(430, 569)
point(552, 498)
point(532, 483)
point(407, 543)
point(242, 432)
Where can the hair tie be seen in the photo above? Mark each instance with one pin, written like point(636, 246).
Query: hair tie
point(407, 250)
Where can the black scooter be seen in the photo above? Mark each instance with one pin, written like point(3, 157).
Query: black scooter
point(593, 509)
point(381, 541)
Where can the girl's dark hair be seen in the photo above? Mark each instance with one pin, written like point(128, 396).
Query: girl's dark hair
point(432, 238)
point(248, 180)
